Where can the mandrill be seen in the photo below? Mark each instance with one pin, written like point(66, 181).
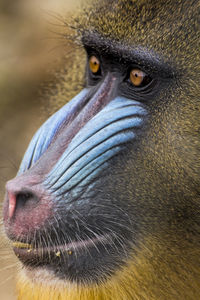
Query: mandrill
point(106, 203)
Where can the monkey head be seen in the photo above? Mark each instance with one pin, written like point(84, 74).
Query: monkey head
point(107, 196)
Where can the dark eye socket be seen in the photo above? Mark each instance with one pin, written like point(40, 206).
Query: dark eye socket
point(136, 77)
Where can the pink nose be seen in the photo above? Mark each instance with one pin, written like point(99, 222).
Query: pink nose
point(19, 201)
point(22, 193)
point(12, 204)
point(27, 205)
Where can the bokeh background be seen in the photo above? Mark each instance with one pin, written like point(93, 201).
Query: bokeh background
point(31, 43)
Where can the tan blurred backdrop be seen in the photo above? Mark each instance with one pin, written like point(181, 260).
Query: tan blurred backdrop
point(28, 48)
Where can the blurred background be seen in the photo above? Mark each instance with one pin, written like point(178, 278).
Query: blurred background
point(31, 44)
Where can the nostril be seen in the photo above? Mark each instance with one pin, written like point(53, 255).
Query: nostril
point(25, 200)
point(22, 200)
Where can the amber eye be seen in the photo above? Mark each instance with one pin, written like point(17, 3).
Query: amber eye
point(137, 77)
point(94, 64)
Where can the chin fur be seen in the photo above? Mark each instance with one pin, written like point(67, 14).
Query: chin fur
point(161, 273)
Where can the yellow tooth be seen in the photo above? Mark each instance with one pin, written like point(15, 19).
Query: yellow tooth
point(22, 245)
point(58, 253)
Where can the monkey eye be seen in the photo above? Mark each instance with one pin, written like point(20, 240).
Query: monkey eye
point(138, 78)
point(94, 64)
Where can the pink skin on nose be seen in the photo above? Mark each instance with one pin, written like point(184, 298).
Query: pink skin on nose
point(24, 220)
point(12, 204)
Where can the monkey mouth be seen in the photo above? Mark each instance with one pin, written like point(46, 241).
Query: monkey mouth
point(31, 255)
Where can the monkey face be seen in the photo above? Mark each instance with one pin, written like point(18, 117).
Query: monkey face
point(76, 147)
point(103, 172)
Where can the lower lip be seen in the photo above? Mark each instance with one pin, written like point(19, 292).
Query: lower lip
point(26, 251)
